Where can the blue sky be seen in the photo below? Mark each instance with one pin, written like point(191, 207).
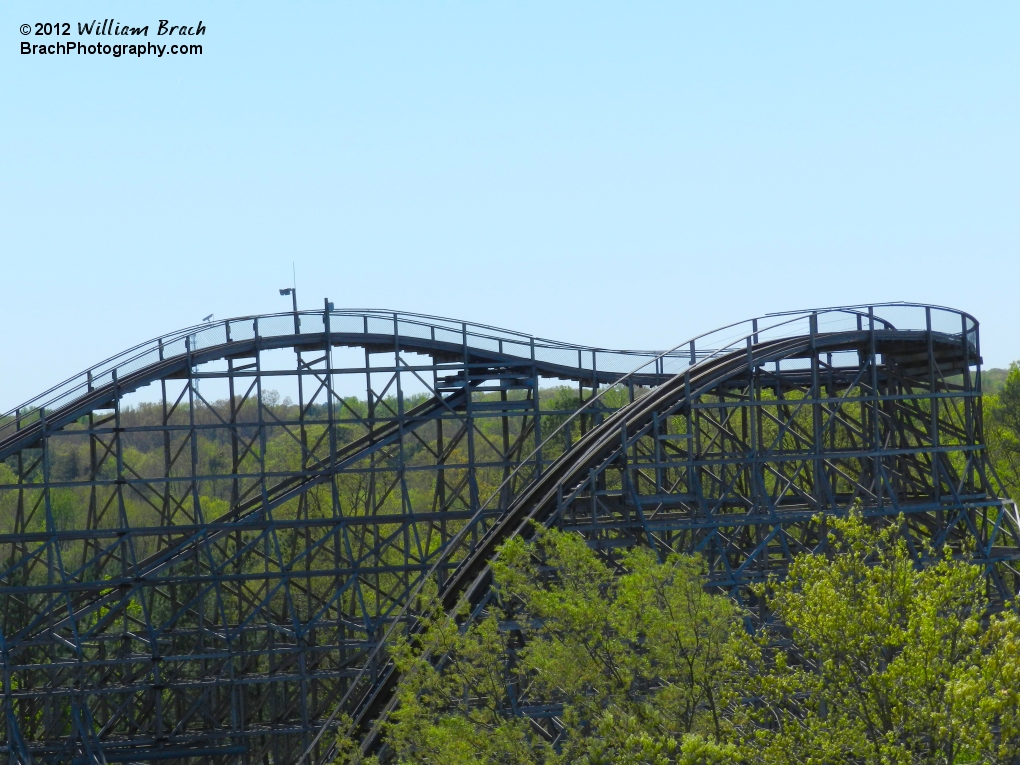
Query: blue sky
point(620, 174)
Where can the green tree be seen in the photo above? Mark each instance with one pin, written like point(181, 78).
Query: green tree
point(642, 651)
point(1002, 430)
point(875, 659)
point(635, 660)
point(870, 658)
point(459, 712)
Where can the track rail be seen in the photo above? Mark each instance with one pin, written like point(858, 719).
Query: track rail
point(180, 351)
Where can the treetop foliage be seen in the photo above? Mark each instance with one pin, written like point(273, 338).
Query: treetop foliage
point(1002, 430)
point(868, 657)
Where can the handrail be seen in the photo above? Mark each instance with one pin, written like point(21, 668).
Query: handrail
point(194, 338)
point(180, 342)
point(761, 330)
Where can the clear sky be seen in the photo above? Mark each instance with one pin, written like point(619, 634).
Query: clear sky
point(623, 174)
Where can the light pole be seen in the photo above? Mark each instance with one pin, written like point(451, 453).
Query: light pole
point(191, 340)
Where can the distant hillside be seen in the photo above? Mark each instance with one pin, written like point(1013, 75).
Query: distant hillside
point(992, 380)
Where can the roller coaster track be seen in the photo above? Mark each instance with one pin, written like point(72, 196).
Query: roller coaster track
point(471, 581)
point(192, 569)
point(545, 501)
point(314, 473)
point(174, 355)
